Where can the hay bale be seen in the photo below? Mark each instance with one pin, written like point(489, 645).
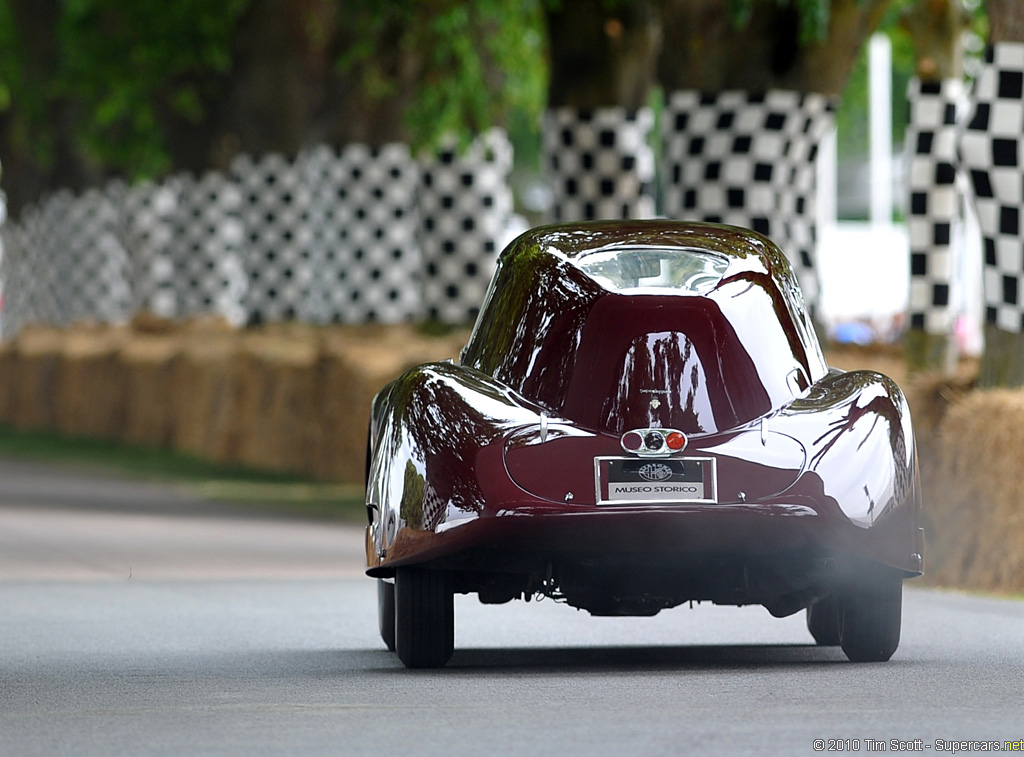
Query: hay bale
point(276, 407)
point(884, 358)
point(204, 394)
point(149, 361)
point(8, 369)
point(931, 395)
point(89, 392)
point(35, 377)
point(976, 503)
point(357, 363)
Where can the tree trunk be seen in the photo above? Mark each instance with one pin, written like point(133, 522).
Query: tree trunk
point(261, 107)
point(365, 101)
point(1005, 21)
point(27, 174)
point(706, 52)
point(602, 54)
point(596, 129)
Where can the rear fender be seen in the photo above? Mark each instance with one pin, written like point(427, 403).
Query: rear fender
point(427, 434)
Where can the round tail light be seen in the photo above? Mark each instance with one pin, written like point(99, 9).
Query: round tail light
point(632, 441)
point(675, 441)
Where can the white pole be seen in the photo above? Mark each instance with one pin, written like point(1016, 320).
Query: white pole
point(828, 182)
point(880, 112)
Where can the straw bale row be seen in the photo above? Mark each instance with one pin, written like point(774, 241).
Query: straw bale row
point(297, 398)
point(976, 507)
point(286, 398)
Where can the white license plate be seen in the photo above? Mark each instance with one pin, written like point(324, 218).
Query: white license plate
point(631, 480)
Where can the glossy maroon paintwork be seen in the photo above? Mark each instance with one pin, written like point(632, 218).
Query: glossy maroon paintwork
point(486, 467)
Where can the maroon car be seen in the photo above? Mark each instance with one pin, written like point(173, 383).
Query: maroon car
point(643, 417)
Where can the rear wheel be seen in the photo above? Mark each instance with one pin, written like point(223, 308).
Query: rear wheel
point(424, 617)
point(386, 612)
point(871, 615)
point(823, 621)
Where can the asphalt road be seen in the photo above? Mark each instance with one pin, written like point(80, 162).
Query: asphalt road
point(136, 621)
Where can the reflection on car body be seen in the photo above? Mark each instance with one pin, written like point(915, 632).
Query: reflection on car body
point(643, 417)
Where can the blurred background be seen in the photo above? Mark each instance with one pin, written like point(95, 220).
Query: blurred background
point(225, 225)
point(241, 146)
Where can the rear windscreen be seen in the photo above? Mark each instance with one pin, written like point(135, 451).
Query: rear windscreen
point(654, 269)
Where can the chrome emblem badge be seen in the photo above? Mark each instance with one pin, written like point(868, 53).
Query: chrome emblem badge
point(655, 472)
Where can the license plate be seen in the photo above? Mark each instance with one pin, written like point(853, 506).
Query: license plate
point(622, 480)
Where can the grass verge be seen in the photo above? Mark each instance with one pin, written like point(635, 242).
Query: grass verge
point(272, 493)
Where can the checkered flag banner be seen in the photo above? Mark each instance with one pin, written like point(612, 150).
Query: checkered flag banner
point(465, 210)
point(600, 162)
point(933, 207)
point(748, 159)
point(991, 154)
point(363, 249)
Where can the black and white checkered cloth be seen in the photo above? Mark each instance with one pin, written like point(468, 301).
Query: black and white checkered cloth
point(991, 154)
point(22, 276)
point(205, 249)
point(465, 209)
point(749, 160)
point(147, 228)
point(348, 236)
point(64, 262)
point(600, 163)
point(276, 243)
point(933, 202)
point(365, 257)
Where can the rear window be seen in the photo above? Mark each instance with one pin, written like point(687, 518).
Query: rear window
point(654, 269)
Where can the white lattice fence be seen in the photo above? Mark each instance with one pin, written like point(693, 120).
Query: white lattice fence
point(206, 248)
point(65, 262)
point(21, 278)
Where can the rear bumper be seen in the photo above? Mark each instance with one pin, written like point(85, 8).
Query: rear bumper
point(524, 538)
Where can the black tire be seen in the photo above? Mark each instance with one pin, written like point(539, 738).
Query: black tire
point(386, 612)
point(424, 617)
point(823, 621)
point(872, 610)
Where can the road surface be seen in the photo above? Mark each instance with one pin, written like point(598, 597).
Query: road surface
point(136, 621)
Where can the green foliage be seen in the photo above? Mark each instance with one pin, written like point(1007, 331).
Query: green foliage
point(8, 56)
point(128, 62)
point(119, 65)
point(475, 62)
point(23, 92)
